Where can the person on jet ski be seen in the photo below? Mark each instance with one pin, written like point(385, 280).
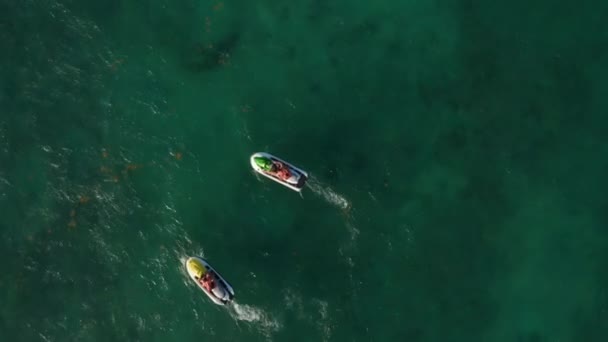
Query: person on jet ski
point(275, 168)
point(281, 171)
point(208, 282)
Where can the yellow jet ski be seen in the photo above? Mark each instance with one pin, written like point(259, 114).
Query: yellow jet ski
point(208, 280)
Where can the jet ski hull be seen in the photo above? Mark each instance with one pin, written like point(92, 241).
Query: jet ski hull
point(296, 184)
point(194, 265)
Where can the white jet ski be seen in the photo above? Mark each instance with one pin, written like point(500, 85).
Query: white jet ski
point(221, 292)
point(272, 167)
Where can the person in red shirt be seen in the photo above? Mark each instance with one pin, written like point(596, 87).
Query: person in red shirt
point(208, 282)
point(281, 171)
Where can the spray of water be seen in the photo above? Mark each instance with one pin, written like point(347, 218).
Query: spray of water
point(328, 194)
point(252, 314)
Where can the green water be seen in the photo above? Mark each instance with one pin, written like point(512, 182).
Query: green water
point(458, 153)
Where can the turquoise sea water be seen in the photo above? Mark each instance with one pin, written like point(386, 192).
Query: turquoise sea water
point(458, 153)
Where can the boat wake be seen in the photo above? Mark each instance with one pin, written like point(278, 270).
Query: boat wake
point(328, 194)
point(252, 314)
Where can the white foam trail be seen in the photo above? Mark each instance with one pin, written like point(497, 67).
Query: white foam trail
point(252, 314)
point(293, 302)
point(328, 194)
point(324, 322)
point(354, 232)
point(342, 203)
